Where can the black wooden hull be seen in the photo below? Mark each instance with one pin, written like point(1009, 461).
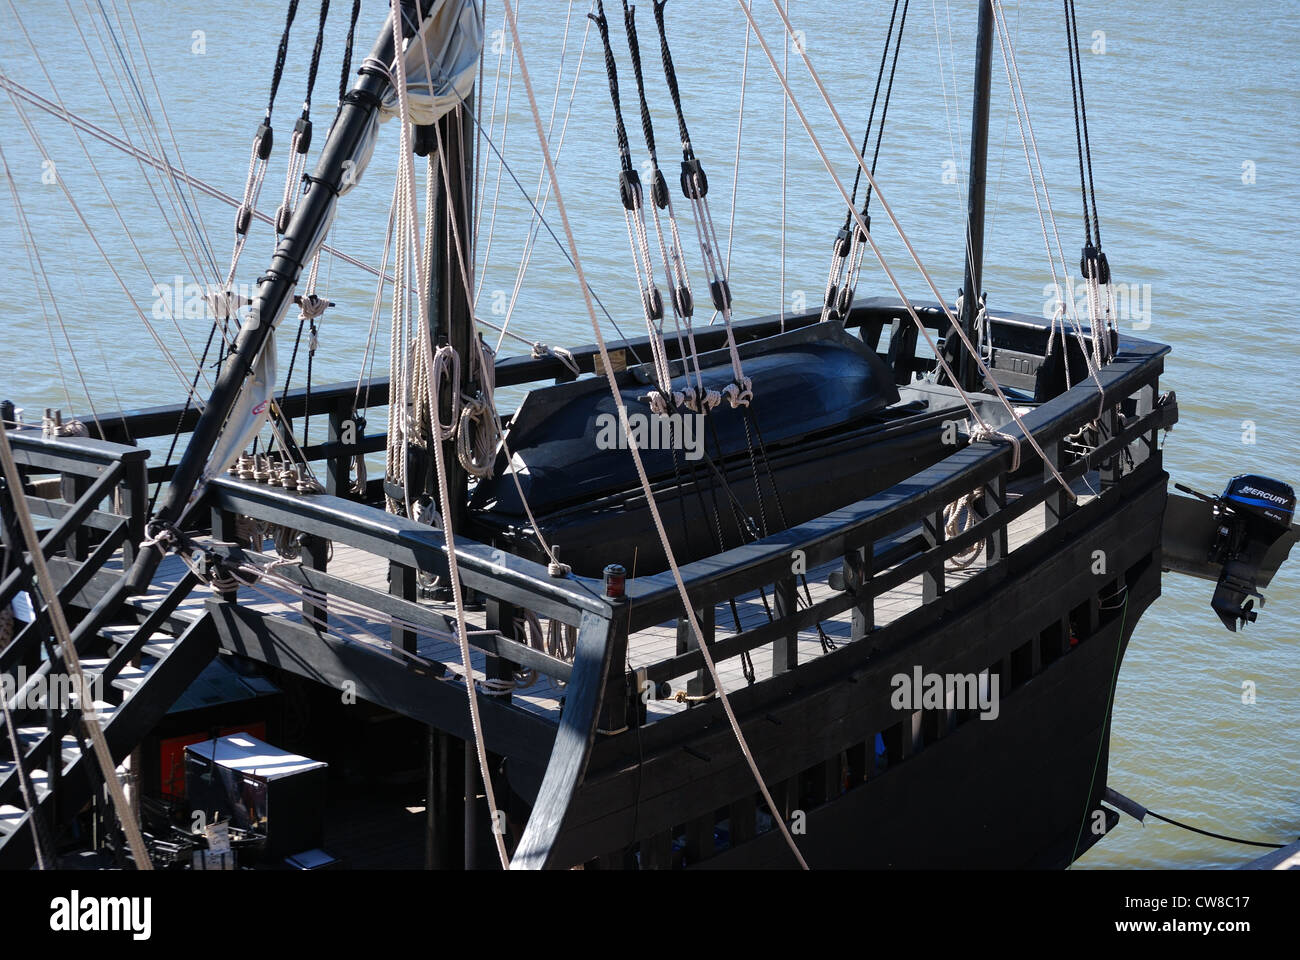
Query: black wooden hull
point(1017, 791)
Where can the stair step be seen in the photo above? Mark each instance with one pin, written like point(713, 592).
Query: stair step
point(40, 779)
point(11, 818)
point(40, 783)
point(131, 677)
point(160, 647)
point(29, 736)
point(120, 634)
point(104, 711)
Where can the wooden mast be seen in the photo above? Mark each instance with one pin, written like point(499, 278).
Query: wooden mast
point(451, 320)
point(979, 152)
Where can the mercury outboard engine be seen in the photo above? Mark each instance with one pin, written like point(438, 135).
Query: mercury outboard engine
point(1252, 513)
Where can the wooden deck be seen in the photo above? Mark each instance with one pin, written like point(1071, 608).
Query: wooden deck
point(645, 647)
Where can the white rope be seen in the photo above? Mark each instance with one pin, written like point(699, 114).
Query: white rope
point(443, 493)
point(954, 526)
point(735, 170)
point(785, 142)
point(16, 89)
point(955, 326)
point(85, 223)
point(292, 182)
point(505, 133)
point(1066, 307)
point(480, 430)
point(37, 265)
point(542, 195)
point(480, 188)
point(636, 456)
point(193, 220)
point(180, 212)
point(108, 194)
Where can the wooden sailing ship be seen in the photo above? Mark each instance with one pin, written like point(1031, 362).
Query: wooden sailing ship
point(868, 513)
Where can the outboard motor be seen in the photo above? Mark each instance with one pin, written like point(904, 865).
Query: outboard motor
point(1252, 514)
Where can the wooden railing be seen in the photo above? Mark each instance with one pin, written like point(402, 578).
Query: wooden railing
point(93, 496)
point(876, 539)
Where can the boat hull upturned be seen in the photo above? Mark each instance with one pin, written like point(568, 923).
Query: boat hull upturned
point(828, 428)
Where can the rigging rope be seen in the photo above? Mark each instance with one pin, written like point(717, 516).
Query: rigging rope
point(542, 193)
point(696, 397)
point(695, 187)
point(1092, 261)
point(850, 246)
point(1027, 434)
point(632, 198)
point(346, 73)
point(85, 223)
point(636, 455)
point(1065, 305)
point(444, 496)
point(300, 142)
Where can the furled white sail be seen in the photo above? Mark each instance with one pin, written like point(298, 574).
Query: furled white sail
point(441, 65)
point(246, 418)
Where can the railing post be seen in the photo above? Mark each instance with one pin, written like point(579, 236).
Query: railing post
point(857, 577)
point(1057, 506)
point(315, 556)
point(902, 350)
point(135, 496)
point(501, 617)
point(702, 683)
point(785, 651)
point(224, 530)
point(336, 469)
point(932, 581)
point(992, 500)
point(74, 488)
point(1108, 472)
point(402, 583)
point(1146, 447)
point(616, 700)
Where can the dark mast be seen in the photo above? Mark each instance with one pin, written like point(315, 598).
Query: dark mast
point(958, 357)
point(450, 317)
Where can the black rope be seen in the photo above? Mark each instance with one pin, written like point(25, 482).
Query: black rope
point(345, 75)
point(1091, 224)
point(306, 409)
point(670, 74)
point(647, 128)
point(189, 399)
point(1216, 836)
point(611, 71)
point(315, 57)
point(293, 359)
point(279, 59)
point(871, 115)
point(826, 642)
point(884, 111)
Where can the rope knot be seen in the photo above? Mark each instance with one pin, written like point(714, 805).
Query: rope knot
point(984, 432)
point(739, 394)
